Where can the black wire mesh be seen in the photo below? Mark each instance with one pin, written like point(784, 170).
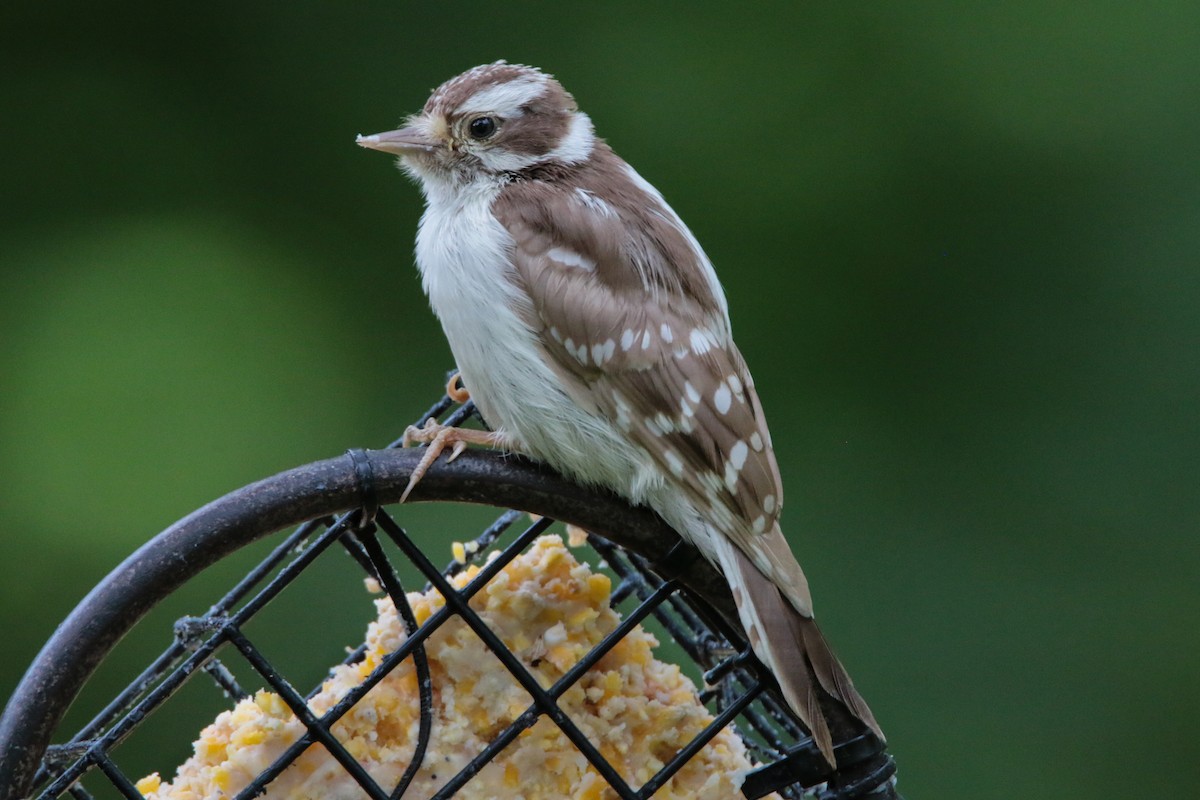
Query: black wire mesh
point(737, 688)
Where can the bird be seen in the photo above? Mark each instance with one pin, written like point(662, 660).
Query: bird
point(593, 334)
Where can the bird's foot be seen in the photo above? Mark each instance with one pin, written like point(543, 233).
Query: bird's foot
point(439, 437)
point(455, 390)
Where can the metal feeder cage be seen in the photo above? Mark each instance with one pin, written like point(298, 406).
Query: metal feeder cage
point(340, 503)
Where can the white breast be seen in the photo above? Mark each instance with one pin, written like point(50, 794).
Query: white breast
point(462, 253)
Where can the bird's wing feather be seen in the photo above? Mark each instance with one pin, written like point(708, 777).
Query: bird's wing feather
point(646, 343)
point(642, 337)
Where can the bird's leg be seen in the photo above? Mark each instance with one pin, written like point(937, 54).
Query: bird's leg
point(438, 437)
point(455, 390)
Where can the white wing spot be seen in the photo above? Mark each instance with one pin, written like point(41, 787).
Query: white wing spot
point(691, 392)
point(610, 347)
point(682, 352)
point(569, 258)
point(581, 354)
point(598, 354)
point(738, 453)
point(760, 524)
point(735, 383)
point(701, 340)
point(722, 399)
point(623, 420)
point(555, 335)
point(667, 335)
point(646, 339)
point(731, 478)
point(756, 441)
point(664, 423)
point(674, 462)
point(627, 339)
point(769, 504)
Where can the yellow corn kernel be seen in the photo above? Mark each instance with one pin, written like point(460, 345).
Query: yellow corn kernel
point(512, 775)
point(460, 552)
point(581, 616)
point(221, 779)
point(552, 557)
point(149, 784)
point(244, 737)
point(211, 751)
point(561, 656)
point(599, 588)
point(271, 703)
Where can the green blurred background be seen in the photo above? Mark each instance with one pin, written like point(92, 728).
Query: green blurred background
point(960, 247)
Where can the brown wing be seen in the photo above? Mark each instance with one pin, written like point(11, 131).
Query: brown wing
point(646, 342)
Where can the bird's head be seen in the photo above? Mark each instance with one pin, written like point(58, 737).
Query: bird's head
point(488, 123)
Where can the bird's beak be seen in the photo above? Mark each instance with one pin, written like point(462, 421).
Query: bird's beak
point(403, 142)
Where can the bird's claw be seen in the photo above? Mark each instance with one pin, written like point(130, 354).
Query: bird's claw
point(422, 435)
point(438, 436)
point(455, 390)
point(433, 434)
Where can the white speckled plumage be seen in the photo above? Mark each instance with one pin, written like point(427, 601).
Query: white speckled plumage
point(593, 334)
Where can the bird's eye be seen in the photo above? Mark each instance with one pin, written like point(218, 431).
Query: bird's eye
point(481, 127)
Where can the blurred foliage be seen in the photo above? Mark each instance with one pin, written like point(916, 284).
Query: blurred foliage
point(959, 241)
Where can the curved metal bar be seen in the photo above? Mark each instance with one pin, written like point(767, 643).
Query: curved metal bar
point(309, 492)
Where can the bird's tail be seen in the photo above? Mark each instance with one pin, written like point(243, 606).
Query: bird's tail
point(791, 645)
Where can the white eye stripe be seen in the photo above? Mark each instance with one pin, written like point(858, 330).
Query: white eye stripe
point(505, 98)
point(504, 161)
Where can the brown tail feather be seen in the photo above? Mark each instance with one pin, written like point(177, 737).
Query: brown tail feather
point(830, 672)
point(792, 647)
